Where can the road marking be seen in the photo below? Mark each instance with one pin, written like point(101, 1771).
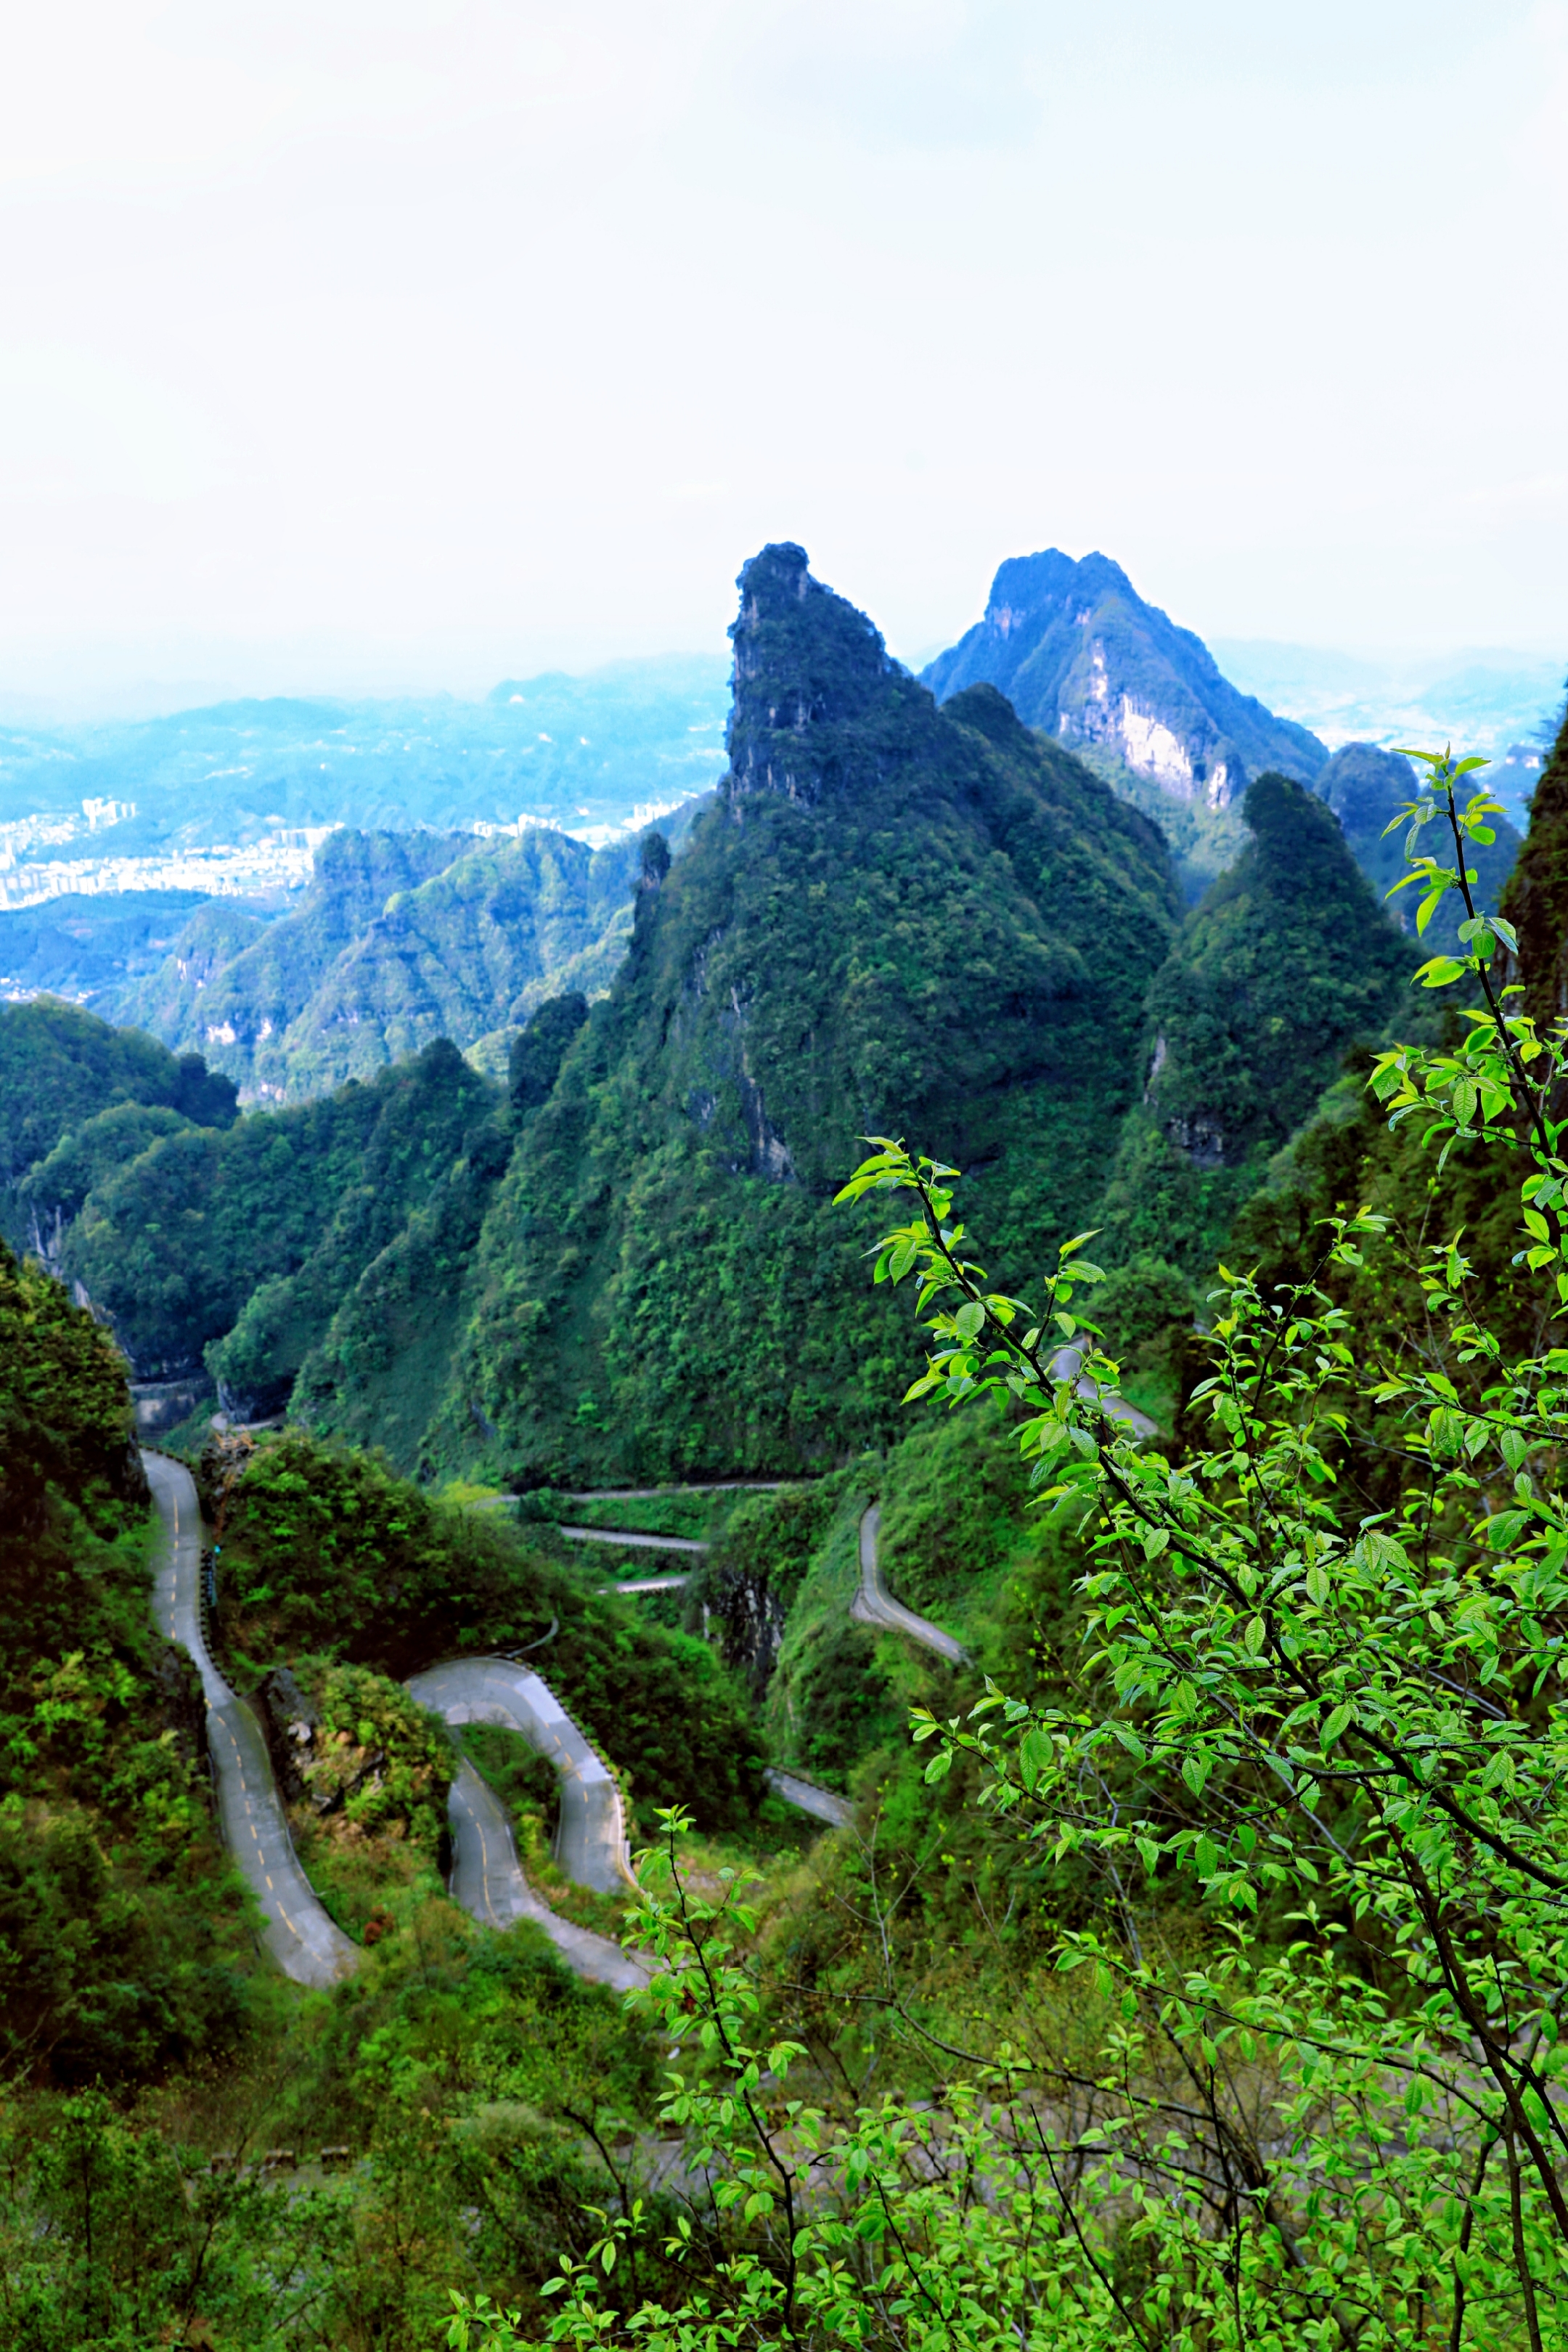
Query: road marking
point(267, 1877)
point(484, 1868)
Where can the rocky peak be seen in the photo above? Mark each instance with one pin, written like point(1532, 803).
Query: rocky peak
point(806, 664)
point(1081, 656)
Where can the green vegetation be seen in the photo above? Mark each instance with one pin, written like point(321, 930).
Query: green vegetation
point(893, 913)
point(383, 1761)
point(1366, 788)
point(1119, 2014)
point(1293, 1794)
point(60, 1068)
point(1287, 962)
point(255, 1233)
point(483, 2097)
point(120, 1931)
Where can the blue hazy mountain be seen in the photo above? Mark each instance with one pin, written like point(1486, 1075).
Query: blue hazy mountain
point(1080, 656)
point(585, 753)
point(1504, 704)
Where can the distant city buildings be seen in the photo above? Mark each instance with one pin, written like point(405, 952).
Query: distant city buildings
point(284, 859)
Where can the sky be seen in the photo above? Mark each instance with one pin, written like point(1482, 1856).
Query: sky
point(413, 344)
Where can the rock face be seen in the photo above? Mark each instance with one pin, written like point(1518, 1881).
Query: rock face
point(1080, 656)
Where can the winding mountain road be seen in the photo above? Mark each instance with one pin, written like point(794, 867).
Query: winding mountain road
point(591, 1843)
point(874, 1605)
point(1064, 1365)
point(487, 1880)
point(634, 1537)
point(298, 1932)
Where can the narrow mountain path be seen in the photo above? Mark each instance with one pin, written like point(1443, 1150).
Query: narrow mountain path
point(874, 1605)
point(297, 1931)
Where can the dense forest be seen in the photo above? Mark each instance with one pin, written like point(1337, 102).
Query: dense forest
point(1192, 1977)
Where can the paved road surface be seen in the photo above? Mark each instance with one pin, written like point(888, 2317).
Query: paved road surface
point(488, 1880)
point(631, 1536)
point(647, 1584)
point(807, 1798)
point(298, 1934)
point(591, 1843)
point(1065, 1362)
point(709, 1487)
point(874, 1605)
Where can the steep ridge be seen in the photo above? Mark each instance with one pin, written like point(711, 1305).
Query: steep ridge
point(277, 1215)
point(895, 919)
point(61, 1071)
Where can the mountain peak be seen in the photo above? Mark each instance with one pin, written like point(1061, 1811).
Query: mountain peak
point(1081, 656)
point(807, 663)
point(1028, 587)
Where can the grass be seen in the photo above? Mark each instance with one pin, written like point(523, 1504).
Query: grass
point(372, 1885)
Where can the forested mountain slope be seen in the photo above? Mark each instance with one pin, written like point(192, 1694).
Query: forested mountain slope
point(61, 1068)
point(402, 938)
point(265, 1226)
point(895, 916)
point(1288, 961)
point(1348, 1155)
point(1366, 788)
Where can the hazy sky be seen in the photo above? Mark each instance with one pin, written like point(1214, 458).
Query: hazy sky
point(396, 342)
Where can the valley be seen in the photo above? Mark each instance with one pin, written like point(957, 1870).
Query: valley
point(552, 1535)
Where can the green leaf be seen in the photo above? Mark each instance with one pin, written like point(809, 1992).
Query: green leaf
point(1336, 1723)
point(1195, 1771)
point(1035, 1752)
point(970, 1319)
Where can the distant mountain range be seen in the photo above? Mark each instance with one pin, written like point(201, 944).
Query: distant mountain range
point(110, 817)
point(585, 754)
point(1506, 706)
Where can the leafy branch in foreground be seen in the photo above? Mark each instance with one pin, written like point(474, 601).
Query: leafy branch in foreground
point(1338, 1733)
